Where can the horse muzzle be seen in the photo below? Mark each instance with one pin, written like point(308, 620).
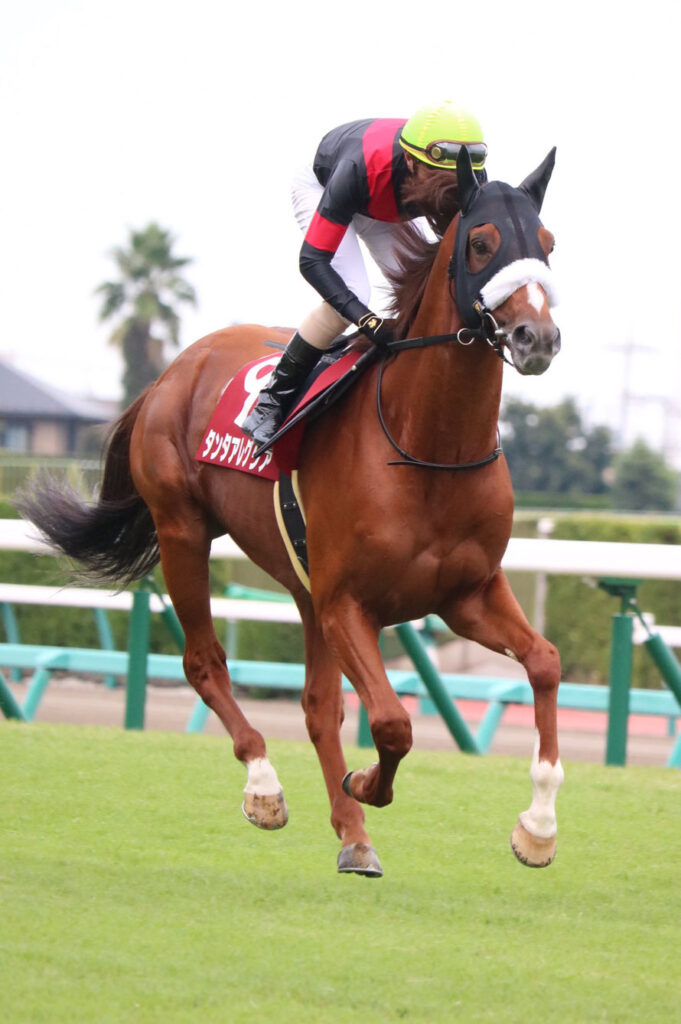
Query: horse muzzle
point(533, 347)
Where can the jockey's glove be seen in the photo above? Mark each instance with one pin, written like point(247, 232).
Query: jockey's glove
point(376, 329)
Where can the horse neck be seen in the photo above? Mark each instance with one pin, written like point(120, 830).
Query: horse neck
point(447, 396)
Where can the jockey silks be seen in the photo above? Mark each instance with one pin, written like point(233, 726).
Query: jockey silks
point(362, 169)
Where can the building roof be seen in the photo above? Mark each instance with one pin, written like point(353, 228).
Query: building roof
point(23, 395)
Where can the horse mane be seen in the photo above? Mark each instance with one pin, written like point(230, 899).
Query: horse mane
point(435, 196)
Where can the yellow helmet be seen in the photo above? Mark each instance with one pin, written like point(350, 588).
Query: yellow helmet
point(436, 133)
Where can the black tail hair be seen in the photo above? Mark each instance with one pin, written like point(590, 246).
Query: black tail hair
point(114, 539)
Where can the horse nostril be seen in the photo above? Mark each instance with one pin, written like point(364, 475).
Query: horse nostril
point(533, 346)
point(523, 336)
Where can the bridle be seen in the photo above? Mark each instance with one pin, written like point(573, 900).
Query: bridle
point(488, 331)
point(515, 212)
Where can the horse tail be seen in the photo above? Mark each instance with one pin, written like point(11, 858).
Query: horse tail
point(114, 538)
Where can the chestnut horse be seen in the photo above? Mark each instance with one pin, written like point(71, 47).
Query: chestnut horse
point(387, 542)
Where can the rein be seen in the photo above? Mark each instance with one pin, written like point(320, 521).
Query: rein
point(411, 460)
point(495, 338)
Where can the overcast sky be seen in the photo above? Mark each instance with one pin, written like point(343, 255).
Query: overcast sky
point(196, 115)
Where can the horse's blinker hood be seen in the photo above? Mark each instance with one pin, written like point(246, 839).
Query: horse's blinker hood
point(520, 258)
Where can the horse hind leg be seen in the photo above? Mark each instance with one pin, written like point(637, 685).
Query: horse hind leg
point(494, 619)
point(185, 549)
point(323, 705)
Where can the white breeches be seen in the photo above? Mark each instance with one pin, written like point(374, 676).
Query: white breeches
point(324, 324)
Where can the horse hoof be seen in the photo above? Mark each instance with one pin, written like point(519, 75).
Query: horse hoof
point(360, 859)
point(346, 784)
point(269, 811)
point(533, 851)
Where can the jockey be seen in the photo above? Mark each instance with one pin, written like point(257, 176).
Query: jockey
point(366, 179)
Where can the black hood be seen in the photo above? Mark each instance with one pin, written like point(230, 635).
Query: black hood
point(515, 214)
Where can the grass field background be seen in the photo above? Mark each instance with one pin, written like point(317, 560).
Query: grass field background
point(131, 889)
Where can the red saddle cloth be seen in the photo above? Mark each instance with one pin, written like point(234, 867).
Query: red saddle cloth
point(224, 442)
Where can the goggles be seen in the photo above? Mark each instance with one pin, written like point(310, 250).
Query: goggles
point(446, 152)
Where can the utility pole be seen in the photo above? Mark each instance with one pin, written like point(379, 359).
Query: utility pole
point(628, 349)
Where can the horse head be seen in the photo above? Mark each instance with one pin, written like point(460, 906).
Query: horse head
point(500, 265)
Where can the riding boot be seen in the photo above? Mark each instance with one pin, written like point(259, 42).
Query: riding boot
point(276, 400)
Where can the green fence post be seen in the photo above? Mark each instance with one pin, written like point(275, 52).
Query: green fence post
point(8, 704)
point(432, 682)
point(199, 717)
point(35, 691)
point(675, 756)
point(620, 682)
point(168, 613)
point(488, 725)
point(666, 662)
point(106, 640)
point(621, 658)
point(138, 650)
point(364, 737)
point(12, 633)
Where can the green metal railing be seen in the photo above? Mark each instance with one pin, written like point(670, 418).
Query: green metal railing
point(621, 655)
point(135, 664)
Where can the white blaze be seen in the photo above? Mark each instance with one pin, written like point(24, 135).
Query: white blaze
point(535, 296)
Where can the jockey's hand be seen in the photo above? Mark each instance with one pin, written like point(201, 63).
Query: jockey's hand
point(376, 329)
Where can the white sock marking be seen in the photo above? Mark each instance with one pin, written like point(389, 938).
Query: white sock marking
point(262, 778)
point(540, 819)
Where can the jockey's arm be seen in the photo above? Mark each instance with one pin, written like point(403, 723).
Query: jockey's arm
point(315, 266)
point(340, 201)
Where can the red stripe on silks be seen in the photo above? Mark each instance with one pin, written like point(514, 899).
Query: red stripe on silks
point(324, 234)
point(377, 146)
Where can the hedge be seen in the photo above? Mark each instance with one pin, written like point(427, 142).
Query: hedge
point(578, 617)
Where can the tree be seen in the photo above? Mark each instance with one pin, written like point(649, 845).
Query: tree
point(551, 449)
point(643, 480)
point(142, 299)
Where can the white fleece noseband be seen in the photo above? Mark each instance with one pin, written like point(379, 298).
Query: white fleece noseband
point(514, 276)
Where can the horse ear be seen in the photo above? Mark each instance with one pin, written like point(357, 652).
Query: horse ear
point(535, 183)
point(468, 183)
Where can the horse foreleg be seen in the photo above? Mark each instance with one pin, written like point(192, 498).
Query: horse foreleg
point(354, 642)
point(493, 618)
point(323, 705)
point(184, 558)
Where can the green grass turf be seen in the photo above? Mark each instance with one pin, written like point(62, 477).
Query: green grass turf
point(131, 889)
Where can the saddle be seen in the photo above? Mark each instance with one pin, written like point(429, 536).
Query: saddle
point(225, 444)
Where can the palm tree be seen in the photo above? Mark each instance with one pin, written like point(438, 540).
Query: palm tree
point(143, 299)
